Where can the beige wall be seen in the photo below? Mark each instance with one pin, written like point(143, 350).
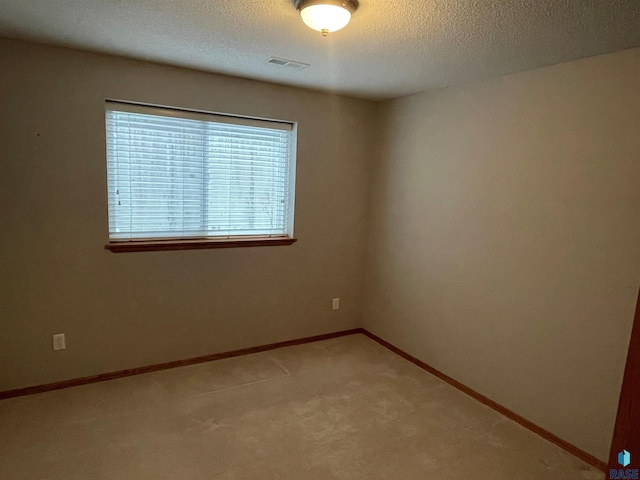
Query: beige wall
point(126, 310)
point(505, 238)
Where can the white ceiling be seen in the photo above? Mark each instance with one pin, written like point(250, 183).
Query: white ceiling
point(391, 48)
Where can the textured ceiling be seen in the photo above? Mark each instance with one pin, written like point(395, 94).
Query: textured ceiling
point(391, 48)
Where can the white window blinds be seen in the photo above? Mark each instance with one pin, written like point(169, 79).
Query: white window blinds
point(177, 174)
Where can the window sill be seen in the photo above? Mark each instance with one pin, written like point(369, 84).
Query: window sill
point(160, 245)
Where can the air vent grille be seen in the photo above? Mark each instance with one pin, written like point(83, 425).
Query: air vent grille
point(283, 62)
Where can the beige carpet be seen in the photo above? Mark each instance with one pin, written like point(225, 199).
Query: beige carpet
point(340, 409)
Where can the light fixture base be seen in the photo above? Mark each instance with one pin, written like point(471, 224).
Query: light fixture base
point(350, 5)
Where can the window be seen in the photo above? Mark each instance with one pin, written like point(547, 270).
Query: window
point(191, 180)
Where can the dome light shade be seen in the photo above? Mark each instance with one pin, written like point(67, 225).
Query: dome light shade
point(326, 16)
point(329, 18)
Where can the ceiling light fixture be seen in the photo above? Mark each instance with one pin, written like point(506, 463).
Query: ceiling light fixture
point(326, 16)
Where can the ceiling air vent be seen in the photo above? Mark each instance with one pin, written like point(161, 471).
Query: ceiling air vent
point(287, 63)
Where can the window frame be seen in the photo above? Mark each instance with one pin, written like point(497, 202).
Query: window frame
point(201, 242)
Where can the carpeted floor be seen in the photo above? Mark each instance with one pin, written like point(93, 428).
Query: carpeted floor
point(340, 409)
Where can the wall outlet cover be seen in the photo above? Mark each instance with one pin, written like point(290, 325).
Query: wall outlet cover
point(59, 342)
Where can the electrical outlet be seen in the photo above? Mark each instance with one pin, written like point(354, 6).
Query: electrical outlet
point(58, 342)
point(336, 303)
